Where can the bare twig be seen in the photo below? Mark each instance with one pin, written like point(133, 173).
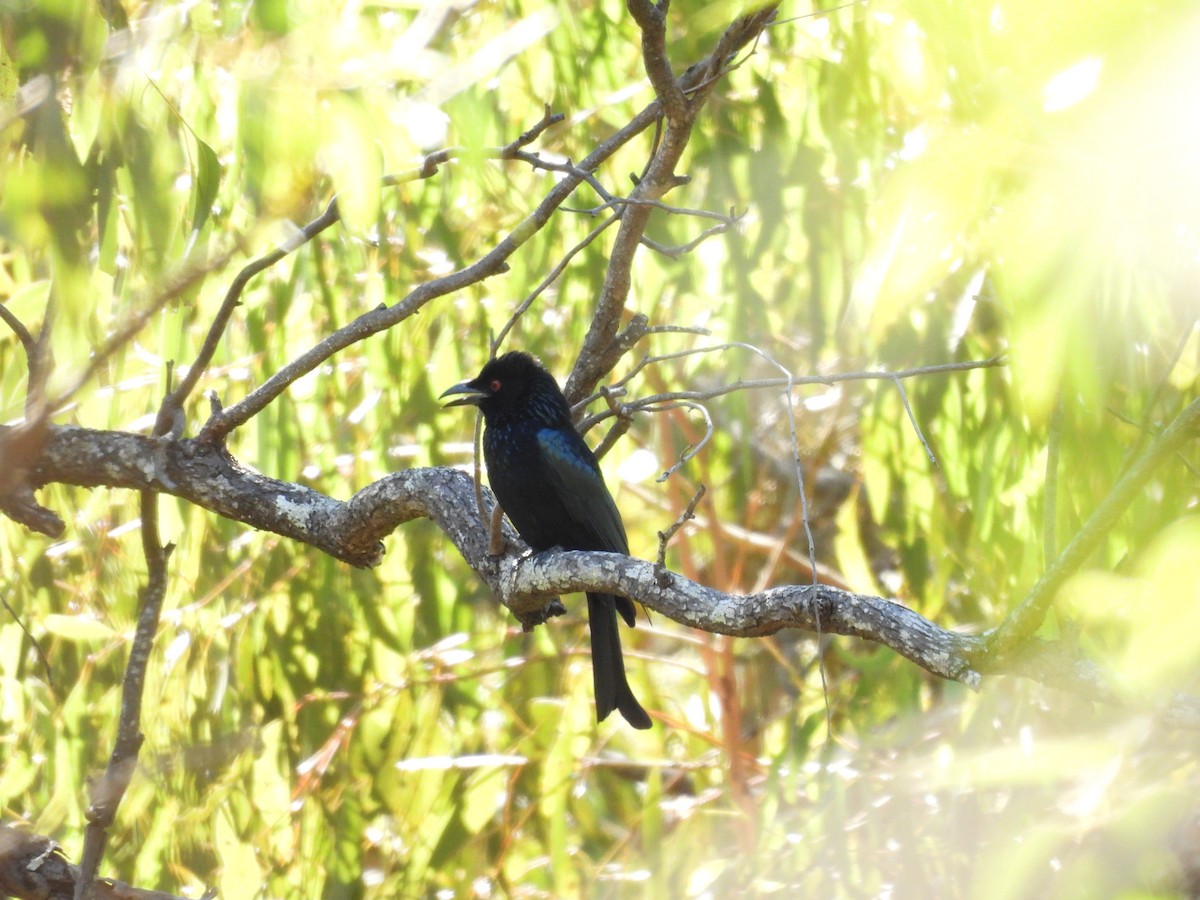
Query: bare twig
point(664, 537)
point(614, 202)
point(691, 450)
point(699, 330)
point(524, 305)
point(537, 161)
point(233, 298)
point(619, 203)
point(683, 249)
point(37, 645)
point(725, 222)
point(819, 12)
point(1050, 509)
point(913, 419)
point(527, 137)
point(758, 384)
point(1122, 417)
point(1145, 427)
point(620, 426)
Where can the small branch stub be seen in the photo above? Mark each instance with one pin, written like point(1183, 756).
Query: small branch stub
point(662, 575)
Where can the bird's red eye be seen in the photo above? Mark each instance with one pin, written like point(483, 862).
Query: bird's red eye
point(494, 387)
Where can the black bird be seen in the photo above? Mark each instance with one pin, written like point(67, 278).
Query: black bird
point(549, 484)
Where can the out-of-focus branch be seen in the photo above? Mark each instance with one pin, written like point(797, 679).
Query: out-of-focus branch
point(1022, 622)
point(19, 330)
point(108, 790)
point(175, 285)
point(20, 444)
point(20, 447)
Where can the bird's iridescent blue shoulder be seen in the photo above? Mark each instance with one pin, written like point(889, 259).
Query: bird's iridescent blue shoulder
point(564, 447)
point(573, 473)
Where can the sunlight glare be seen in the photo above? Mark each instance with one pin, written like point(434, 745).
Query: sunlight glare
point(1072, 85)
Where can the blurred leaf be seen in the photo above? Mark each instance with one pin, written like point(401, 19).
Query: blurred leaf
point(206, 181)
point(240, 872)
point(77, 628)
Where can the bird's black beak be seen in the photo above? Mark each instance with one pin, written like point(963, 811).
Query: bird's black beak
point(470, 395)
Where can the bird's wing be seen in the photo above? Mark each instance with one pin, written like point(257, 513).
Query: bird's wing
point(576, 481)
point(575, 476)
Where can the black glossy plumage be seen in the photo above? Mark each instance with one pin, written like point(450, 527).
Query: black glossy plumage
point(549, 484)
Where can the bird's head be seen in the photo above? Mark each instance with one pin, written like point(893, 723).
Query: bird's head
point(514, 382)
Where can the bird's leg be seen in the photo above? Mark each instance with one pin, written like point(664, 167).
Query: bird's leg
point(496, 541)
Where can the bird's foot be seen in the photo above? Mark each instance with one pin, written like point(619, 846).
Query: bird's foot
point(531, 620)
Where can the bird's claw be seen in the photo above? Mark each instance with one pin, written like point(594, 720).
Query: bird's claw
point(531, 620)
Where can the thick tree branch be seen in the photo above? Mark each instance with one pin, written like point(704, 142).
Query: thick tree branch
point(208, 477)
point(528, 579)
point(353, 531)
point(652, 20)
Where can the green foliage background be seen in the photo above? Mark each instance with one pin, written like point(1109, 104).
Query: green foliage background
point(924, 181)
